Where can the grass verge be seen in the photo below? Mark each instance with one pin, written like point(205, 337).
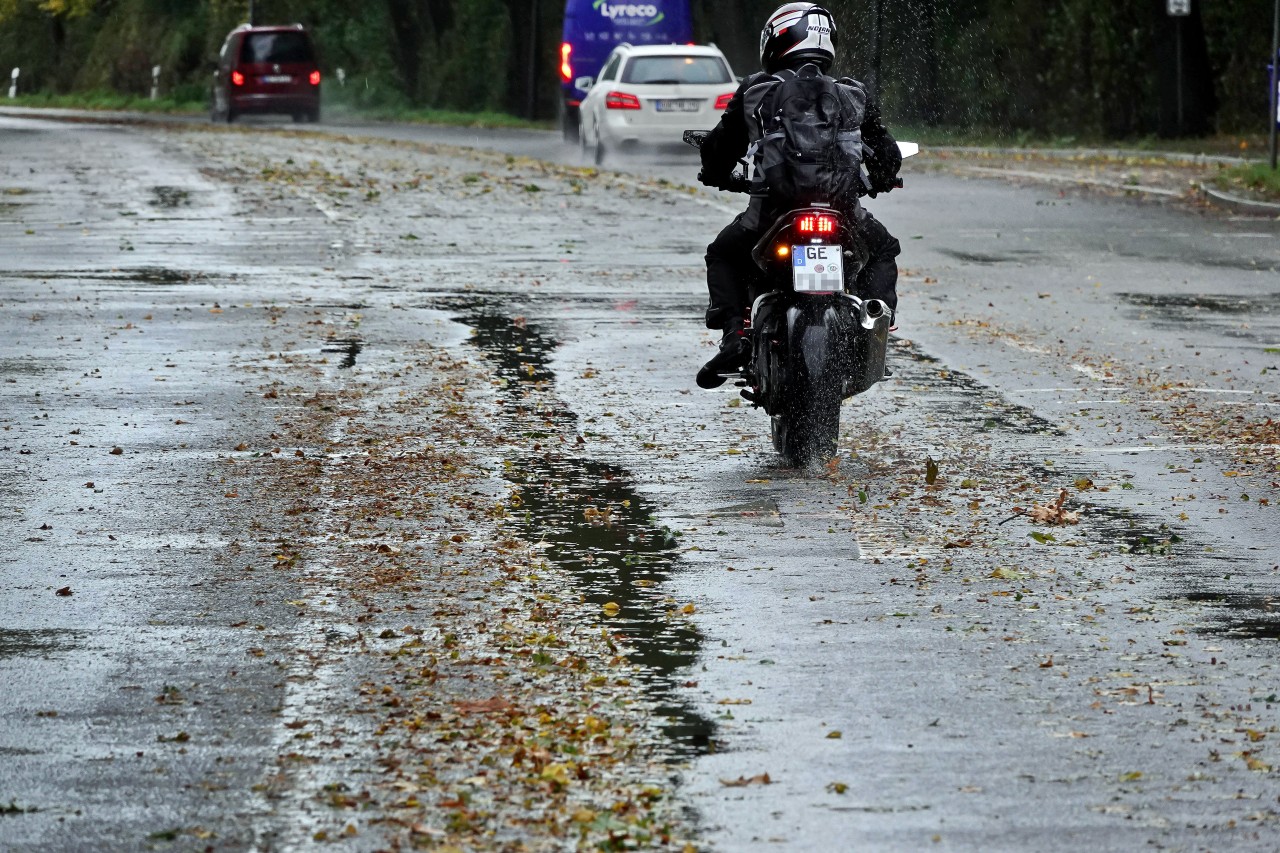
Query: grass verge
point(136, 103)
point(1254, 180)
point(107, 101)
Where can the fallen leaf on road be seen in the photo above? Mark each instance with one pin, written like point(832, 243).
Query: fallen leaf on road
point(66, 590)
point(1054, 513)
point(743, 781)
point(495, 704)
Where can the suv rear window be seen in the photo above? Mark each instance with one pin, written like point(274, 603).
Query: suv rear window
point(276, 48)
point(675, 69)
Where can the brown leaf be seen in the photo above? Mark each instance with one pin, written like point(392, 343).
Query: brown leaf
point(743, 781)
point(1054, 513)
point(493, 705)
point(66, 590)
point(116, 451)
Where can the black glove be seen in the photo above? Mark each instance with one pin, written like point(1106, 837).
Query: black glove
point(706, 181)
point(729, 183)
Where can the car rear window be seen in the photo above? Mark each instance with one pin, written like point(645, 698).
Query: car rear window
point(676, 69)
point(276, 48)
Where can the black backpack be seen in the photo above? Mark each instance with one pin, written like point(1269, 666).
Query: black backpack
point(807, 141)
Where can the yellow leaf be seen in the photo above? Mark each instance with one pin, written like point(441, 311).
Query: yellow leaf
point(557, 773)
point(611, 609)
point(1007, 574)
point(834, 734)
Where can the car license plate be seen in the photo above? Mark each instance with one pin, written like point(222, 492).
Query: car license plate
point(277, 78)
point(817, 268)
point(680, 105)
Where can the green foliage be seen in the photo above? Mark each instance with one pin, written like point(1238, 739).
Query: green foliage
point(1256, 179)
point(1059, 69)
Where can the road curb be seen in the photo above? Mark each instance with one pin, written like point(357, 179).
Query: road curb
point(1240, 205)
point(1086, 153)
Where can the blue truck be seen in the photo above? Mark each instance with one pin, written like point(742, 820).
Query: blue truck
point(593, 28)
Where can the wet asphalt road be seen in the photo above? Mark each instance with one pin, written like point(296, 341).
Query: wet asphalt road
point(1109, 688)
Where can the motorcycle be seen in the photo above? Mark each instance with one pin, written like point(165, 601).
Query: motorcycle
point(813, 342)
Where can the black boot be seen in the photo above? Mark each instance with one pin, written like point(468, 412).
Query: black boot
point(735, 352)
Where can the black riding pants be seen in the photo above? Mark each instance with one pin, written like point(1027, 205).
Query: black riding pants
point(731, 272)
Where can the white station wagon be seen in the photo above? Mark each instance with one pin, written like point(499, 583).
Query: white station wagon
point(648, 95)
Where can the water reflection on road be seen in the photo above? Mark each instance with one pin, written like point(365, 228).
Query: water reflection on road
point(588, 518)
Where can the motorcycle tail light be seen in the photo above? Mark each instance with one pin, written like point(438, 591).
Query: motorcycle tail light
point(722, 102)
point(816, 225)
point(621, 101)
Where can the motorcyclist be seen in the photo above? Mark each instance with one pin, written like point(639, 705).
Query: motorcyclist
point(794, 35)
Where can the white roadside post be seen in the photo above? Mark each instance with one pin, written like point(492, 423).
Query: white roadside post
point(13, 85)
point(155, 82)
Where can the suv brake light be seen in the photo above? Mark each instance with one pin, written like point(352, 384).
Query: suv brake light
point(722, 102)
point(621, 101)
point(816, 224)
point(237, 78)
point(314, 78)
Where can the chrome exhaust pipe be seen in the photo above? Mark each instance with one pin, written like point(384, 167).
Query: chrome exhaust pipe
point(871, 311)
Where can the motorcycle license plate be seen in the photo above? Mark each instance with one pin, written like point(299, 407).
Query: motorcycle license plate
point(817, 268)
point(677, 106)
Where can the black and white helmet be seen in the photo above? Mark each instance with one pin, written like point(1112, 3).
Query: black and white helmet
point(798, 31)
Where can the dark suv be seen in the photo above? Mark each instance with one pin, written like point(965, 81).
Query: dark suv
point(267, 70)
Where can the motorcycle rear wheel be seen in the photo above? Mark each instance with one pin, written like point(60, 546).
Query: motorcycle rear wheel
point(805, 432)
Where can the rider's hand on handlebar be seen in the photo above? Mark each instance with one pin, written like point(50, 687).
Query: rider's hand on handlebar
point(736, 182)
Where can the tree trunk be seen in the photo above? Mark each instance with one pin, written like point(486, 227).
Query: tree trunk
point(407, 26)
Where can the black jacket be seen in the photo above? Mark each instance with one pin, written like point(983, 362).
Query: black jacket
point(728, 141)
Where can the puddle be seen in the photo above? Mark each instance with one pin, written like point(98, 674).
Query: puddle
point(1227, 613)
point(591, 521)
point(968, 402)
point(1224, 314)
point(1240, 616)
point(30, 366)
point(1192, 306)
point(40, 642)
point(1122, 531)
point(170, 197)
point(349, 348)
point(984, 258)
point(145, 275)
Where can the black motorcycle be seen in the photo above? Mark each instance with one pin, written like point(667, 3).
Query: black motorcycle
point(814, 343)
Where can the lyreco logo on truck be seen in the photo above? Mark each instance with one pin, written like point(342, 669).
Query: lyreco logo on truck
point(643, 15)
point(593, 28)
